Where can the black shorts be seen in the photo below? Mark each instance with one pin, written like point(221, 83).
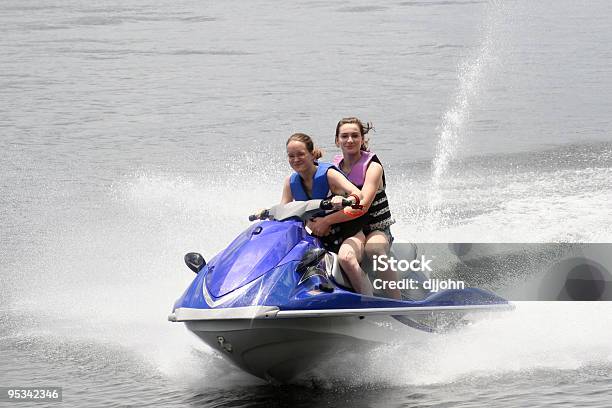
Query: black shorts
point(340, 232)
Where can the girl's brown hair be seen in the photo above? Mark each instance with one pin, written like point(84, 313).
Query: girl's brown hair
point(307, 140)
point(364, 129)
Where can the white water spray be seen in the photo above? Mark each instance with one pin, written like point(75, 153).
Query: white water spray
point(455, 121)
point(550, 337)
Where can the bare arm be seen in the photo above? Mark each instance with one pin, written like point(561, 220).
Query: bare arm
point(373, 180)
point(287, 196)
point(340, 185)
point(337, 217)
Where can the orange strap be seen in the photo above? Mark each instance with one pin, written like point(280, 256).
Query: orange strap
point(353, 214)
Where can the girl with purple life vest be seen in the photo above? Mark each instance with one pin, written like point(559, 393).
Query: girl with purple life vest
point(364, 170)
point(317, 180)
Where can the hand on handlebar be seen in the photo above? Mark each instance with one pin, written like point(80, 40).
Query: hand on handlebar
point(319, 227)
point(350, 206)
point(337, 202)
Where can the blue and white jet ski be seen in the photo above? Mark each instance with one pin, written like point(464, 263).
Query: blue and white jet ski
point(275, 302)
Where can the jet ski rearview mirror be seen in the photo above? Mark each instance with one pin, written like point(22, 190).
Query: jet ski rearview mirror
point(261, 216)
point(195, 261)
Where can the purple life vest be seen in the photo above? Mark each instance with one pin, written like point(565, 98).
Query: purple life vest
point(379, 214)
point(359, 169)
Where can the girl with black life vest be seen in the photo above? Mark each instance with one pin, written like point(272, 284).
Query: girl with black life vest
point(364, 170)
point(316, 180)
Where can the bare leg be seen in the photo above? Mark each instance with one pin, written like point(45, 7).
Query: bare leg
point(349, 256)
point(377, 244)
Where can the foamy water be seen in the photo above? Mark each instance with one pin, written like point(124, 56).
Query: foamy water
point(120, 298)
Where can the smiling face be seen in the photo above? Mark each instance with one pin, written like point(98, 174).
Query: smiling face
point(300, 159)
point(349, 139)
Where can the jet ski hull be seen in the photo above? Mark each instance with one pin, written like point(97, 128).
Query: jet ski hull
point(278, 346)
point(279, 350)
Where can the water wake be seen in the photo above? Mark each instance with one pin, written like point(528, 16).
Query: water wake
point(549, 336)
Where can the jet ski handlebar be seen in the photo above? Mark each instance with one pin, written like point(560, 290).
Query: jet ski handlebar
point(327, 204)
point(300, 209)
